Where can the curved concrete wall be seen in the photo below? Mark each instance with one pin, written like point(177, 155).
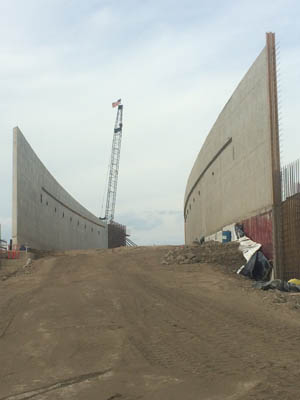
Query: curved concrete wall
point(231, 179)
point(45, 216)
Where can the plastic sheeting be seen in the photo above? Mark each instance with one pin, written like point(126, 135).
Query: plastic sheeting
point(257, 266)
point(248, 247)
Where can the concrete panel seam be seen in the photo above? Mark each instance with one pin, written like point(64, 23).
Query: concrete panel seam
point(205, 169)
point(70, 209)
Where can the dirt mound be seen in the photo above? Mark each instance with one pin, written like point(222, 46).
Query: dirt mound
point(226, 254)
point(12, 268)
point(116, 324)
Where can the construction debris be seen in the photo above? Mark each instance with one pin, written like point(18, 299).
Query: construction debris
point(279, 285)
point(12, 268)
point(227, 254)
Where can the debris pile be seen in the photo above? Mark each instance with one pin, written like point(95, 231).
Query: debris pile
point(227, 254)
point(14, 267)
point(27, 266)
point(293, 285)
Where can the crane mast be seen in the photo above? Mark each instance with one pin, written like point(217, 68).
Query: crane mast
point(114, 164)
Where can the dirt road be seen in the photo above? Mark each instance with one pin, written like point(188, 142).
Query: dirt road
point(120, 325)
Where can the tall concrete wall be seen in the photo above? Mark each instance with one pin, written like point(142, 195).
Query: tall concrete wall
point(45, 216)
point(231, 179)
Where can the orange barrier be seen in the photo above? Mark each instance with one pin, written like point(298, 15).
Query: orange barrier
point(13, 254)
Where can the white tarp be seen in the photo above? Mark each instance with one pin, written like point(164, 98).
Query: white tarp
point(248, 248)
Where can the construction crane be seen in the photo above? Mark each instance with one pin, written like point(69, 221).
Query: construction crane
point(116, 232)
point(114, 164)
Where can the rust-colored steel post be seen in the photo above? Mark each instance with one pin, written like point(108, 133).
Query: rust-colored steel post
point(275, 154)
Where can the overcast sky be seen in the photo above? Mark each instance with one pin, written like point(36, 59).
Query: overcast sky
point(174, 64)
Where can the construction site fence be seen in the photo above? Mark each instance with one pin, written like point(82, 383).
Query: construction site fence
point(290, 179)
point(290, 214)
point(11, 251)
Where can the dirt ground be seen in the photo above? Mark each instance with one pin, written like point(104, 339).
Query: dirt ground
point(120, 324)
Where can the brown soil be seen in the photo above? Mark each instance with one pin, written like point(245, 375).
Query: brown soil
point(225, 254)
point(118, 324)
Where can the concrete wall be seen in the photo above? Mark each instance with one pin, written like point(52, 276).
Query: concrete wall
point(231, 179)
point(45, 216)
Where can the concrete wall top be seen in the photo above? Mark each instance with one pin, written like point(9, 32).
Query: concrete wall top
point(232, 176)
point(45, 215)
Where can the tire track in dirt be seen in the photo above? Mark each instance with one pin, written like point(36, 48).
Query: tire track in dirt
point(193, 335)
point(170, 332)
